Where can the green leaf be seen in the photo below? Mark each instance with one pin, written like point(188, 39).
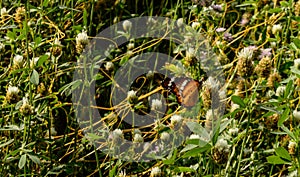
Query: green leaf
point(288, 88)
point(238, 100)
point(196, 151)
point(41, 60)
point(285, 129)
point(6, 143)
point(184, 169)
point(34, 158)
point(112, 172)
point(296, 41)
point(276, 160)
point(93, 136)
point(283, 153)
point(22, 161)
point(198, 142)
point(275, 10)
point(34, 77)
point(85, 17)
point(283, 117)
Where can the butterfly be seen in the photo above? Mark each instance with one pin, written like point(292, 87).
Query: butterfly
point(185, 89)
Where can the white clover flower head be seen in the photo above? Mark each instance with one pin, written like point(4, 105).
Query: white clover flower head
point(233, 131)
point(18, 60)
point(222, 145)
point(176, 119)
point(131, 94)
point(117, 133)
point(210, 114)
point(292, 145)
point(276, 28)
point(156, 171)
point(82, 38)
point(156, 104)
point(127, 25)
point(273, 44)
point(165, 136)
point(150, 74)
point(211, 83)
point(138, 138)
point(12, 90)
point(280, 90)
point(297, 63)
point(296, 115)
point(190, 53)
point(109, 66)
point(293, 173)
point(2, 46)
point(130, 45)
point(180, 22)
point(221, 29)
point(195, 25)
point(194, 136)
point(3, 11)
point(246, 52)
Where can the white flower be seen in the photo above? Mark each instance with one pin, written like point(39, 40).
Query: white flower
point(233, 131)
point(297, 63)
point(150, 74)
point(296, 115)
point(131, 94)
point(179, 22)
point(293, 173)
point(3, 11)
point(190, 53)
point(276, 28)
point(219, 30)
point(273, 44)
point(194, 136)
point(211, 83)
point(117, 133)
point(130, 46)
point(138, 138)
point(12, 90)
point(109, 65)
point(222, 145)
point(195, 25)
point(127, 25)
point(155, 172)
point(18, 60)
point(292, 145)
point(210, 115)
point(165, 136)
point(280, 90)
point(2, 46)
point(156, 104)
point(82, 38)
point(246, 52)
point(175, 119)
